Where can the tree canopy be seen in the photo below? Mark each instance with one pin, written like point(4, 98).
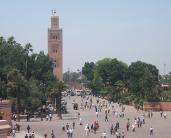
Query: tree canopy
point(136, 82)
point(25, 77)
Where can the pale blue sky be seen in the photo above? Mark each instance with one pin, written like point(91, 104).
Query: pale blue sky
point(129, 30)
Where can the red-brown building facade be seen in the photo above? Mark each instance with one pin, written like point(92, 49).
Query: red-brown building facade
point(55, 46)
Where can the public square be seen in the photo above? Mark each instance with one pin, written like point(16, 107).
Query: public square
point(161, 126)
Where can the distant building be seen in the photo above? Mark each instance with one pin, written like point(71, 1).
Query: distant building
point(55, 46)
point(165, 86)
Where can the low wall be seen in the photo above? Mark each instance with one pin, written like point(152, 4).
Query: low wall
point(4, 129)
point(165, 106)
point(157, 106)
point(5, 108)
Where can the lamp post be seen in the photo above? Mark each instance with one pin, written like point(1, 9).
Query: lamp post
point(81, 77)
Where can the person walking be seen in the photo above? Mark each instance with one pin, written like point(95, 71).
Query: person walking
point(111, 129)
point(133, 128)
point(28, 129)
point(45, 135)
point(63, 127)
point(13, 133)
point(52, 134)
point(33, 135)
point(127, 126)
point(73, 125)
point(106, 118)
point(97, 114)
point(151, 130)
point(104, 135)
point(50, 117)
point(164, 115)
point(161, 113)
point(80, 121)
point(123, 135)
point(86, 130)
point(67, 126)
point(71, 132)
point(26, 136)
point(68, 133)
point(47, 117)
point(30, 136)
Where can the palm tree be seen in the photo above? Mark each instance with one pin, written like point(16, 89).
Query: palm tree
point(27, 50)
point(56, 95)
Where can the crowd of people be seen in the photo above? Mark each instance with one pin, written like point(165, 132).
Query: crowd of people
point(101, 106)
point(112, 113)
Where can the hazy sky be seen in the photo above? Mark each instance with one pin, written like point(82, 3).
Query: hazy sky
point(129, 30)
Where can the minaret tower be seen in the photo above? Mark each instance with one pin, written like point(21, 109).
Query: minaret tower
point(55, 46)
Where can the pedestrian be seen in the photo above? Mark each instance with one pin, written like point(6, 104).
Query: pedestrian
point(52, 134)
point(92, 127)
point(161, 114)
point(117, 134)
point(47, 117)
point(117, 125)
point(80, 121)
point(26, 136)
point(63, 127)
point(86, 130)
point(143, 119)
point(133, 128)
point(71, 132)
point(33, 135)
point(148, 114)
point(28, 129)
point(164, 115)
point(106, 118)
point(151, 130)
point(97, 114)
point(97, 125)
point(67, 126)
point(18, 127)
point(127, 126)
point(27, 117)
point(30, 136)
point(45, 135)
point(111, 129)
point(41, 116)
point(123, 135)
point(50, 117)
point(68, 133)
point(13, 133)
point(73, 125)
point(104, 134)
point(78, 114)
point(151, 114)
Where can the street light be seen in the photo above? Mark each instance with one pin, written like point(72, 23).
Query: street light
point(81, 77)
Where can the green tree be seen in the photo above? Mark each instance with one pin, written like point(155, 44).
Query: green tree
point(55, 94)
point(88, 70)
point(17, 87)
point(143, 81)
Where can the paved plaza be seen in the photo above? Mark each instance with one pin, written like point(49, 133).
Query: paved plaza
point(161, 126)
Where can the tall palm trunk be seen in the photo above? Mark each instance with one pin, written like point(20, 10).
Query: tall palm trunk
point(18, 106)
point(58, 104)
